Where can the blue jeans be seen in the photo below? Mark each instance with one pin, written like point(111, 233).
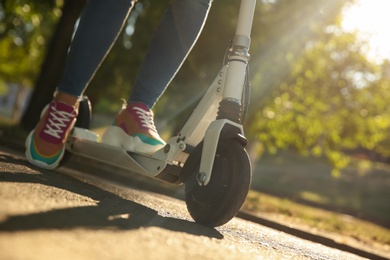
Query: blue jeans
point(100, 25)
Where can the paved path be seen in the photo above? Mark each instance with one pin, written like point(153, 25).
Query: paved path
point(70, 215)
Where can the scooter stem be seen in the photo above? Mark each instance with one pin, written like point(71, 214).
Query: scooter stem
point(245, 17)
point(239, 55)
point(238, 58)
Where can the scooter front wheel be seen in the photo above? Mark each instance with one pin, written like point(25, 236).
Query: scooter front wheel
point(220, 200)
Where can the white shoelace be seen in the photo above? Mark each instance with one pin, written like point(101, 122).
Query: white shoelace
point(57, 123)
point(146, 118)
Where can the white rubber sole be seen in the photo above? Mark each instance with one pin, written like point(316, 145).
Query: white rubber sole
point(115, 136)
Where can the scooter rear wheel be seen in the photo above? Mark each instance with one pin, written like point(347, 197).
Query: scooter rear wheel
point(85, 113)
point(220, 200)
point(83, 121)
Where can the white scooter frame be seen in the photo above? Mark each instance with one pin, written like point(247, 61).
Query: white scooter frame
point(219, 109)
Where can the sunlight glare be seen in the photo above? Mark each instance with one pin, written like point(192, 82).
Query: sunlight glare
point(371, 18)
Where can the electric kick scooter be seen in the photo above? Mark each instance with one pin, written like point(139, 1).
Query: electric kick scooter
point(208, 154)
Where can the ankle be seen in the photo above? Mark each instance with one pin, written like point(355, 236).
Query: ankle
point(67, 98)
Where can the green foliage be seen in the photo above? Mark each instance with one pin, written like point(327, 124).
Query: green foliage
point(332, 99)
point(25, 29)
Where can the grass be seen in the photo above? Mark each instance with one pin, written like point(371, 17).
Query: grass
point(361, 190)
point(291, 213)
point(302, 191)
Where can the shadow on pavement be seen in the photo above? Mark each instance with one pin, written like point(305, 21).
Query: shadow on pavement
point(101, 216)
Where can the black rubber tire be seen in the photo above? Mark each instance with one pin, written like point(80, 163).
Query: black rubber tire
point(218, 202)
point(85, 113)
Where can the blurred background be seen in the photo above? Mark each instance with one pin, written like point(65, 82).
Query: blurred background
point(318, 120)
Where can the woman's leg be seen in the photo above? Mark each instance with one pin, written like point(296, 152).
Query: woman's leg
point(100, 25)
point(175, 36)
point(173, 40)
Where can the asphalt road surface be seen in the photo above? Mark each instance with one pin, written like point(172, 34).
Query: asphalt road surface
point(68, 214)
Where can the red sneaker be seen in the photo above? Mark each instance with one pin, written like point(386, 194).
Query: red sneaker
point(134, 130)
point(45, 145)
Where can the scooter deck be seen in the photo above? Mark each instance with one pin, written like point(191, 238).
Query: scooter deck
point(112, 155)
point(84, 144)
